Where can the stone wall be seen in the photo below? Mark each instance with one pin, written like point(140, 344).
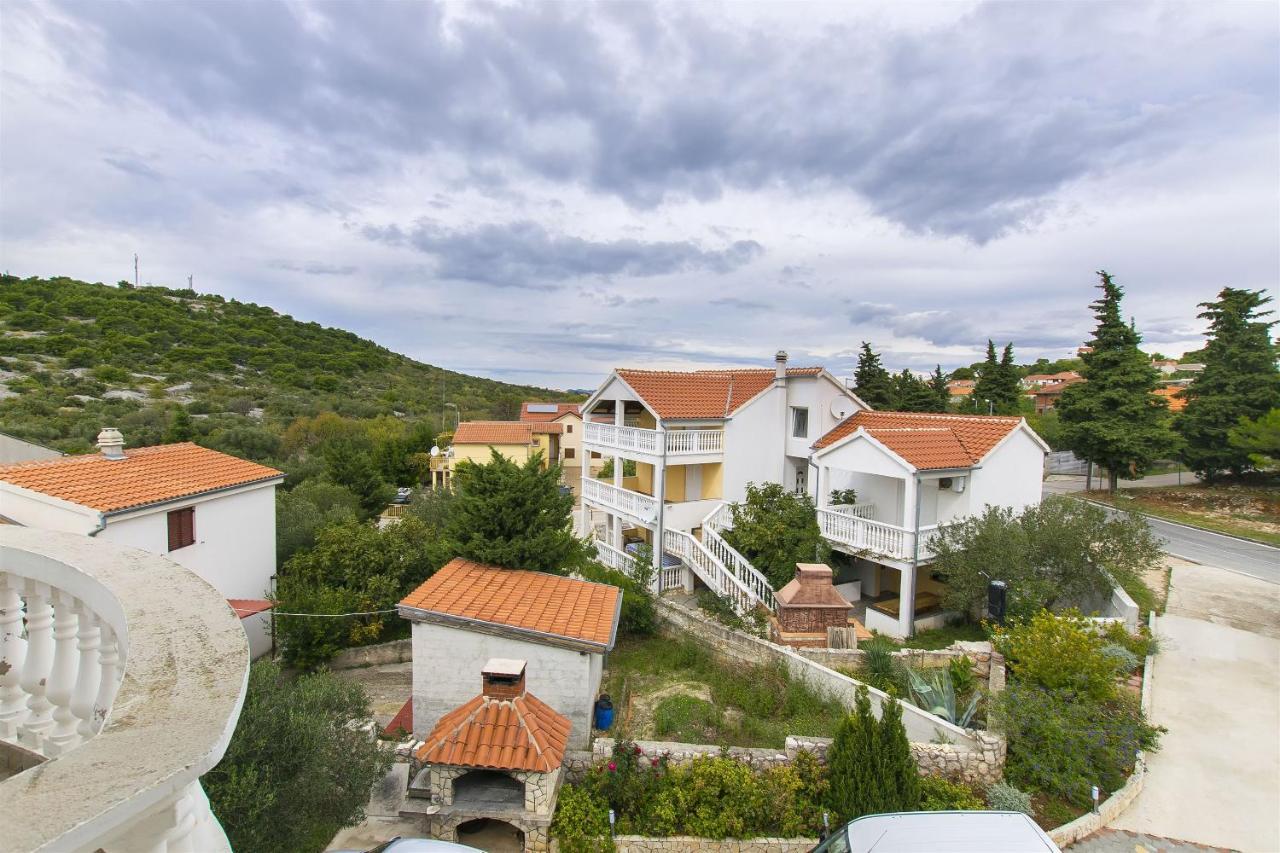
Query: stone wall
point(396, 651)
point(985, 663)
point(977, 757)
point(688, 844)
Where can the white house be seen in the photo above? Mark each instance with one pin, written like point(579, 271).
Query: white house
point(14, 449)
point(209, 512)
point(468, 613)
point(911, 473)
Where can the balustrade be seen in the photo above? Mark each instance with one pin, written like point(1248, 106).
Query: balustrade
point(684, 442)
point(635, 504)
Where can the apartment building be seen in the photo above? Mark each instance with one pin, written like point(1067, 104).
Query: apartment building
point(573, 458)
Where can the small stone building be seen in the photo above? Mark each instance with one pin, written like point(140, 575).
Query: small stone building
point(467, 613)
point(810, 604)
point(496, 758)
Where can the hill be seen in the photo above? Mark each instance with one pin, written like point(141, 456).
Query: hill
point(76, 356)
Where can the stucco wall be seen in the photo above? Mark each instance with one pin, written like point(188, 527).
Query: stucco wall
point(446, 673)
point(38, 512)
point(1010, 477)
point(14, 450)
point(753, 446)
point(235, 548)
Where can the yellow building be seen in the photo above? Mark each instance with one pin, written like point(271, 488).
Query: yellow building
point(572, 456)
point(473, 441)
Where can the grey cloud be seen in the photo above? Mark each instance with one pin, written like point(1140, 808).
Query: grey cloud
point(525, 254)
point(740, 304)
point(963, 129)
point(616, 300)
point(314, 267)
point(133, 166)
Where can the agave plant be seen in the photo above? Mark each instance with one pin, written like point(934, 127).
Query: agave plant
point(936, 694)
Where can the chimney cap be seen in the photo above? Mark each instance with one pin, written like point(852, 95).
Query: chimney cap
point(111, 443)
point(781, 355)
point(509, 667)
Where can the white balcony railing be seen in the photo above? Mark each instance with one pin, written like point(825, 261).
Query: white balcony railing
point(708, 567)
point(713, 526)
point(122, 678)
point(643, 508)
point(867, 511)
point(689, 442)
point(874, 537)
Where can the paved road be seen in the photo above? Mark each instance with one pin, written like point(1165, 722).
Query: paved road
point(1200, 546)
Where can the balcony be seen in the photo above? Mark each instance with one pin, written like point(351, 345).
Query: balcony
point(851, 527)
point(653, 443)
point(643, 508)
point(123, 689)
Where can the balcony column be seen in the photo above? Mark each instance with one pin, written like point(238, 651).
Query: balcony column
point(615, 520)
point(35, 669)
point(87, 679)
point(108, 677)
point(62, 678)
point(13, 650)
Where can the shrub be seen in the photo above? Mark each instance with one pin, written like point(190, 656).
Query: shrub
point(775, 528)
point(880, 668)
point(1121, 658)
point(869, 763)
point(686, 719)
point(1059, 652)
point(939, 794)
point(712, 797)
point(581, 822)
point(1003, 797)
point(1061, 744)
point(933, 691)
point(1142, 644)
point(638, 617)
point(962, 678)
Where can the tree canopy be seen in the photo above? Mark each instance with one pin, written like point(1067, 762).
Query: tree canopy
point(998, 390)
point(1112, 418)
point(1239, 380)
point(776, 528)
point(871, 382)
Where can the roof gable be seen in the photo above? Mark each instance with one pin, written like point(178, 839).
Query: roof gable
point(555, 607)
point(500, 734)
point(702, 394)
point(145, 476)
point(927, 441)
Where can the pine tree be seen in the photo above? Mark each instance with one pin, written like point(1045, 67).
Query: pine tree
point(349, 464)
point(513, 515)
point(997, 390)
point(180, 427)
point(872, 383)
point(1240, 380)
point(912, 394)
point(1113, 419)
point(852, 767)
point(899, 778)
point(941, 394)
point(1009, 384)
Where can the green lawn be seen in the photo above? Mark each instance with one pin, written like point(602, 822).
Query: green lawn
point(940, 638)
point(667, 688)
point(1248, 511)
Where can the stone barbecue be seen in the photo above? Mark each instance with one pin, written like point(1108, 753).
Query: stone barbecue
point(497, 757)
point(810, 603)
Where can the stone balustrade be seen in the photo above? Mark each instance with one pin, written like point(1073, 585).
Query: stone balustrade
point(121, 680)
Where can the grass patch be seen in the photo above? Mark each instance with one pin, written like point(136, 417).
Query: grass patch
point(940, 638)
point(1052, 812)
point(750, 705)
point(1237, 509)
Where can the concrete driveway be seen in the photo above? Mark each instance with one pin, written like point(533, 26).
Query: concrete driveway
point(1216, 778)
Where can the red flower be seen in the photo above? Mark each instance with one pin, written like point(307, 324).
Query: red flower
point(637, 750)
point(612, 767)
point(653, 761)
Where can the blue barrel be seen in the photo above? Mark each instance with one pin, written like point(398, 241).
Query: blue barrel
point(604, 712)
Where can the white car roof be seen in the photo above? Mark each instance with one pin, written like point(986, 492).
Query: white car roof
point(948, 832)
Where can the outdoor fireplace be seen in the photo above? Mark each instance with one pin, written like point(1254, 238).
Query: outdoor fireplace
point(810, 604)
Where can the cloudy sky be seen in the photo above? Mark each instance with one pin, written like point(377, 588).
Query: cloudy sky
point(539, 192)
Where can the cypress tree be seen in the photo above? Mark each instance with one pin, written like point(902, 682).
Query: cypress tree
point(985, 389)
point(899, 778)
point(941, 395)
point(852, 768)
point(1113, 419)
point(1009, 387)
point(997, 390)
point(912, 394)
point(1240, 380)
point(872, 383)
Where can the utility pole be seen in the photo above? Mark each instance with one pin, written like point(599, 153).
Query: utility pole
point(191, 283)
point(135, 269)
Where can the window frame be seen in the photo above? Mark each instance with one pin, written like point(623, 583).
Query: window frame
point(797, 412)
point(181, 524)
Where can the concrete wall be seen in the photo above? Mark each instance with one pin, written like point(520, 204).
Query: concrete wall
point(13, 450)
point(235, 548)
point(753, 446)
point(1011, 476)
point(44, 513)
point(258, 628)
point(446, 673)
point(396, 651)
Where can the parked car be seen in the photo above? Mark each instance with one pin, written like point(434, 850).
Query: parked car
point(926, 832)
point(403, 495)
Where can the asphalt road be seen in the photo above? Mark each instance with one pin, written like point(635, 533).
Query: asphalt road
point(1201, 546)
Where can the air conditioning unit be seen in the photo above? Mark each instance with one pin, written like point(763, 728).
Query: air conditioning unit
point(957, 484)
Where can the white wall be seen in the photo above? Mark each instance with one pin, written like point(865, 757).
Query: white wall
point(446, 673)
point(258, 629)
point(16, 450)
point(1010, 476)
point(753, 446)
point(41, 512)
point(235, 548)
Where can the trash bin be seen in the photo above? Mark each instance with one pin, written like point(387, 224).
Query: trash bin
point(604, 712)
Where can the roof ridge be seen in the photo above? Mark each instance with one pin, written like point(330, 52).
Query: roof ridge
point(518, 706)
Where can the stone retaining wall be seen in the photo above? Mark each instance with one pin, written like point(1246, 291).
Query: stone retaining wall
point(688, 844)
point(939, 746)
point(396, 651)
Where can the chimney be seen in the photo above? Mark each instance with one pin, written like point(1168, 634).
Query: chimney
point(111, 443)
point(780, 366)
point(502, 679)
point(812, 575)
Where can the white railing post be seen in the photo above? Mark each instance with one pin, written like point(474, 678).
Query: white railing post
point(86, 689)
point(109, 677)
point(62, 676)
point(13, 652)
point(35, 669)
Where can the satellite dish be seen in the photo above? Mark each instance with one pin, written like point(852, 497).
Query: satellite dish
point(841, 407)
point(435, 451)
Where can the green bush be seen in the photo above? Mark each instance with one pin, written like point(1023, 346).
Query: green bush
point(1003, 797)
point(1142, 644)
point(775, 528)
point(639, 617)
point(880, 668)
point(1062, 743)
point(869, 763)
point(712, 797)
point(581, 822)
point(1058, 652)
point(685, 719)
point(939, 794)
point(1121, 658)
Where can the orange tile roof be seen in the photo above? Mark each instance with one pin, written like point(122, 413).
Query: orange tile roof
point(571, 609)
point(1176, 403)
point(147, 475)
point(561, 410)
point(523, 733)
point(702, 393)
point(501, 432)
point(928, 440)
point(246, 607)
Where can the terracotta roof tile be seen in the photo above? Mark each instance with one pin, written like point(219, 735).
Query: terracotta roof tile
point(561, 409)
point(246, 607)
point(531, 601)
point(145, 476)
point(702, 393)
point(501, 432)
point(523, 733)
point(927, 440)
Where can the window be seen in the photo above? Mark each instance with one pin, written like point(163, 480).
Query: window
point(568, 428)
point(182, 528)
point(596, 455)
point(568, 453)
point(799, 422)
